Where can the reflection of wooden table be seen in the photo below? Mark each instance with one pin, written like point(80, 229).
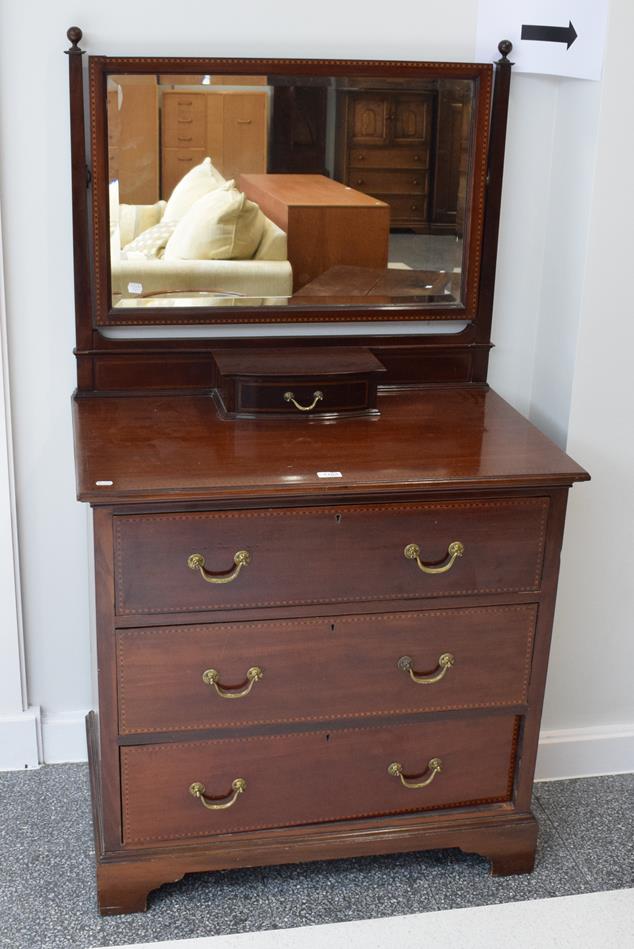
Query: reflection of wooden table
point(326, 222)
point(345, 283)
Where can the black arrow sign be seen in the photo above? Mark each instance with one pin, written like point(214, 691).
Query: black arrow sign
point(551, 34)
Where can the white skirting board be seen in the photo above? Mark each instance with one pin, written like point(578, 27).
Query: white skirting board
point(572, 753)
point(582, 752)
point(20, 740)
point(64, 737)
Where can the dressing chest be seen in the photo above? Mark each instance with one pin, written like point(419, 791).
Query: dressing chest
point(322, 627)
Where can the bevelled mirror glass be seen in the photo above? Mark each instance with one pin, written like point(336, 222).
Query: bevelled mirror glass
point(330, 190)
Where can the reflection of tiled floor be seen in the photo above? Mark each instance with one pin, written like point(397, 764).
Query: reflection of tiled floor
point(47, 894)
point(426, 251)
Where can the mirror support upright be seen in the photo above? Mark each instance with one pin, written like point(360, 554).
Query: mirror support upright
point(499, 117)
point(81, 243)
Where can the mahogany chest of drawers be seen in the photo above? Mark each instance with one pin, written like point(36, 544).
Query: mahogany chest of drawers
point(294, 667)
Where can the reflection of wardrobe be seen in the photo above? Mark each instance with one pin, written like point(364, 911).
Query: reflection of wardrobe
point(133, 138)
point(229, 126)
point(407, 148)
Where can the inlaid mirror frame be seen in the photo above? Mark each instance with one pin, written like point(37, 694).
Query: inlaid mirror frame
point(475, 238)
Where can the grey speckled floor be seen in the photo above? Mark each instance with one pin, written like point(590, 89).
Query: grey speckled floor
point(47, 890)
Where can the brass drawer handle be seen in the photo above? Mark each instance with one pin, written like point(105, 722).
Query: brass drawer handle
point(317, 397)
point(198, 790)
point(212, 677)
point(197, 562)
point(244, 121)
point(434, 767)
point(455, 550)
point(445, 662)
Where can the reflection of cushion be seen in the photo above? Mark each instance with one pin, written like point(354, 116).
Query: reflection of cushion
point(222, 225)
point(136, 218)
point(199, 181)
point(150, 242)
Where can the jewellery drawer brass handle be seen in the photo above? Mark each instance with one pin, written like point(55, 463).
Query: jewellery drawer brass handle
point(212, 677)
point(317, 397)
point(445, 662)
point(197, 562)
point(455, 549)
point(198, 790)
point(434, 767)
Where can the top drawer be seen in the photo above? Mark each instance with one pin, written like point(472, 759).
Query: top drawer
point(232, 560)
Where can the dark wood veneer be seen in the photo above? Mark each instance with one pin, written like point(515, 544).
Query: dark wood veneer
point(164, 448)
point(109, 365)
point(346, 667)
point(446, 460)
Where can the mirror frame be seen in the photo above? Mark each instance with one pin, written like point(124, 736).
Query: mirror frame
point(100, 67)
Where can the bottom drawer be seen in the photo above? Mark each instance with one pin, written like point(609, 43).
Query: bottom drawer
point(314, 777)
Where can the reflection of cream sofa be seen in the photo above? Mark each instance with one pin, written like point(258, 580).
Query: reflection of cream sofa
point(267, 273)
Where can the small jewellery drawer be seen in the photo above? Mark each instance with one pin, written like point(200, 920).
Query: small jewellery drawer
point(297, 385)
point(232, 560)
point(302, 670)
point(314, 396)
point(194, 789)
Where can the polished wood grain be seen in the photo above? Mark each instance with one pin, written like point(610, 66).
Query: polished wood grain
point(252, 384)
point(317, 361)
point(345, 283)
point(183, 365)
point(313, 555)
point(313, 777)
point(322, 669)
point(507, 838)
point(146, 460)
point(178, 448)
point(326, 223)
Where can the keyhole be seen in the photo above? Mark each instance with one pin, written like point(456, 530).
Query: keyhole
point(328, 736)
point(332, 627)
point(337, 518)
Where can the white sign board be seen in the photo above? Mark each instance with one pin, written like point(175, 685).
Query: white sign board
point(556, 37)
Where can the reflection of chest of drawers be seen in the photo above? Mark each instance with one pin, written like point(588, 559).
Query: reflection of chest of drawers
point(133, 138)
point(290, 671)
point(407, 149)
point(228, 125)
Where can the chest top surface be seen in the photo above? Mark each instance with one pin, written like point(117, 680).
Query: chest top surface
point(166, 448)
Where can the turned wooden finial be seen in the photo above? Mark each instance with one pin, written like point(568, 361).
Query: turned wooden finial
point(74, 34)
point(505, 47)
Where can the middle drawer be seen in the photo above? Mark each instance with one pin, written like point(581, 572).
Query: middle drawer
point(198, 677)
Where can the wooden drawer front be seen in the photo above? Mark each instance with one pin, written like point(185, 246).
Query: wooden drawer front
point(406, 207)
point(176, 163)
point(184, 120)
point(404, 157)
point(323, 669)
point(263, 397)
point(313, 777)
point(326, 555)
point(389, 182)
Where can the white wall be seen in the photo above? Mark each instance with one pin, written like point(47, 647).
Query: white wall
point(590, 680)
point(547, 191)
